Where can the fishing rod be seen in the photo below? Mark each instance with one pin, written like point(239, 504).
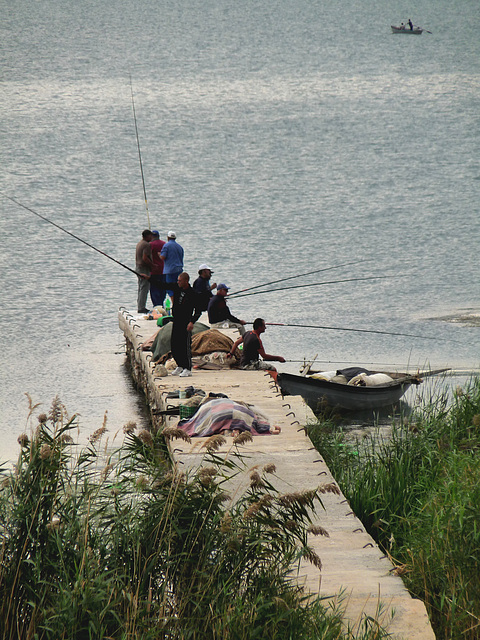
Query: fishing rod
point(72, 234)
point(452, 372)
point(139, 153)
point(358, 364)
point(386, 333)
point(316, 284)
point(300, 275)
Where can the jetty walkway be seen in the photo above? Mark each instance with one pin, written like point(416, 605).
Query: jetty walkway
point(354, 571)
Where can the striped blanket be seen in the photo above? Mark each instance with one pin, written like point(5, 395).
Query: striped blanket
point(223, 414)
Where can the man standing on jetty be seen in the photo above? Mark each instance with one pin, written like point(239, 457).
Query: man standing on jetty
point(157, 289)
point(185, 314)
point(172, 254)
point(253, 348)
point(202, 286)
point(143, 266)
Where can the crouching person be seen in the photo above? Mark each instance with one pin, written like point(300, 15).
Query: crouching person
point(253, 349)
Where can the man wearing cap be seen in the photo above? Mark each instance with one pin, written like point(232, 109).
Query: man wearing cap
point(172, 254)
point(143, 267)
point(202, 286)
point(157, 290)
point(219, 314)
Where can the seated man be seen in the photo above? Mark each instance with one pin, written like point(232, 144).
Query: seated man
point(253, 348)
point(219, 314)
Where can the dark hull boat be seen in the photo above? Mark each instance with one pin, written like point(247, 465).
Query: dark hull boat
point(319, 394)
point(416, 31)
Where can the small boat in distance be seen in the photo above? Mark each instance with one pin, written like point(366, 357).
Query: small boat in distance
point(322, 393)
point(416, 31)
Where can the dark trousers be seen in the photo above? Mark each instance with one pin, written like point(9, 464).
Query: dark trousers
point(169, 279)
point(157, 289)
point(181, 345)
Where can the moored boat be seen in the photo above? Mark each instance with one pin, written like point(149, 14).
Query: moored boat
point(319, 393)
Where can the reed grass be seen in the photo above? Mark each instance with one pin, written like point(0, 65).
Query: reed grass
point(119, 546)
point(418, 495)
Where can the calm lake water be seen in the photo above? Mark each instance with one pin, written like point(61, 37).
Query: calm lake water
point(276, 138)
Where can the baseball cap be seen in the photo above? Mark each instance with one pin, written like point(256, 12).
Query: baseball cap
point(222, 286)
point(171, 234)
point(204, 266)
point(155, 233)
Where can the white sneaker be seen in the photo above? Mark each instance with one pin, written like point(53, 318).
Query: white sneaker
point(177, 371)
point(185, 373)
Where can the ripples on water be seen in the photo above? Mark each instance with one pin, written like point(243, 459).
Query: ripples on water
point(275, 139)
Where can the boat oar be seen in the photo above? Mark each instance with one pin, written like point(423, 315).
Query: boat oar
point(316, 284)
point(72, 234)
point(298, 275)
point(415, 378)
point(308, 366)
point(386, 333)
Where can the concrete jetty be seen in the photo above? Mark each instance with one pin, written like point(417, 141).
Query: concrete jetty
point(355, 572)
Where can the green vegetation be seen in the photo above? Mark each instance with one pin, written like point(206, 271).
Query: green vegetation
point(418, 495)
point(101, 546)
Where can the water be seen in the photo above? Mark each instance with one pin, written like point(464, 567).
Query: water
point(276, 139)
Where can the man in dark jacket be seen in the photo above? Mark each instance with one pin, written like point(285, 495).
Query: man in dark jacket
point(185, 314)
point(203, 287)
point(219, 314)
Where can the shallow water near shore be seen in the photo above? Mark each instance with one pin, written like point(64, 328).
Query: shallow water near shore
point(275, 140)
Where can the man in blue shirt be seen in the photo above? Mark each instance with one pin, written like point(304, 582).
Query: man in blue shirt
point(172, 254)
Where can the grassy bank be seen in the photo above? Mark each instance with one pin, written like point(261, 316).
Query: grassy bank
point(117, 546)
point(418, 496)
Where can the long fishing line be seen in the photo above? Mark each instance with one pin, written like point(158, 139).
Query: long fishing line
point(71, 234)
point(383, 364)
point(386, 333)
point(317, 284)
point(139, 154)
point(300, 275)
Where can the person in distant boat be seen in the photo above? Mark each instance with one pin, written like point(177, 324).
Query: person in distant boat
point(410, 24)
point(219, 314)
point(157, 289)
point(143, 266)
point(202, 286)
point(172, 254)
point(253, 349)
point(185, 314)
